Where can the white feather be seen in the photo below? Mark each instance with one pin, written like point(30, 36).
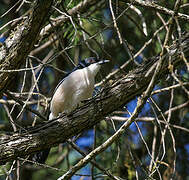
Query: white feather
point(76, 87)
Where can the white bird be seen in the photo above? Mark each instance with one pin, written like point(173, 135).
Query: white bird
point(76, 87)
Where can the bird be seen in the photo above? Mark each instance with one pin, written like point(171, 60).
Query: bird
point(76, 87)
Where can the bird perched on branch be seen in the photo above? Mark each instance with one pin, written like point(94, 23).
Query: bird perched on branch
point(76, 87)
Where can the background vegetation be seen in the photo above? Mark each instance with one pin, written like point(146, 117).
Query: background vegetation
point(156, 144)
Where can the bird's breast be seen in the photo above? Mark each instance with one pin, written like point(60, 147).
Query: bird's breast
point(83, 84)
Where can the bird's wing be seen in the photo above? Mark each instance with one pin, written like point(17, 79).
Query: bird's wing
point(59, 84)
point(79, 66)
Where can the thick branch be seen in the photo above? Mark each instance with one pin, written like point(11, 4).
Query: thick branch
point(113, 96)
point(18, 45)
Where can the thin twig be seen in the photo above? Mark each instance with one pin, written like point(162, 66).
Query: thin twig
point(92, 161)
point(114, 21)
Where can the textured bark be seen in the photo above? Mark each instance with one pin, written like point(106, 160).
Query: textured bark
point(18, 45)
point(150, 5)
point(115, 94)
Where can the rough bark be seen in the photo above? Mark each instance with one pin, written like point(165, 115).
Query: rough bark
point(18, 45)
point(115, 94)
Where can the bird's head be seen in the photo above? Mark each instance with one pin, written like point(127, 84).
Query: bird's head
point(93, 64)
point(92, 60)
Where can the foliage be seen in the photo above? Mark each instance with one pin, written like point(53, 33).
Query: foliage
point(150, 148)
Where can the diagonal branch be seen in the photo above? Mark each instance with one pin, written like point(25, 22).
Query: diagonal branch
point(156, 7)
point(115, 94)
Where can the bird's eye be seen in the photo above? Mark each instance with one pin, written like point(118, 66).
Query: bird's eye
point(91, 61)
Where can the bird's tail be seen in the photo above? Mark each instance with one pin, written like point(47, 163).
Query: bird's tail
point(41, 156)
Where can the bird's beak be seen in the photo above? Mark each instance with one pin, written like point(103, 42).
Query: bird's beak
point(103, 61)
